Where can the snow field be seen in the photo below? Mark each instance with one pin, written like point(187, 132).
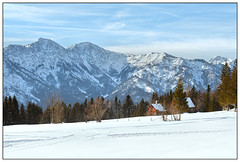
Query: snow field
point(198, 136)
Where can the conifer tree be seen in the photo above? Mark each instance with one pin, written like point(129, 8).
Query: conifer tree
point(120, 109)
point(89, 112)
point(65, 112)
point(15, 111)
point(46, 117)
point(170, 96)
point(34, 113)
point(85, 103)
point(74, 114)
point(211, 105)
point(224, 93)
point(124, 109)
point(85, 108)
point(22, 115)
point(214, 105)
point(91, 101)
point(154, 97)
point(116, 106)
point(81, 113)
point(10, 115)
point(233, 85)
point(37, 113)
point(69, 106)
point(29, 113)
point(6, 111)
point(200, 101)
point(179, 98)
point(68, 113)
point(166, 99)
point(128, 107)
point(142, 108)
point(207, 100)
point(77, 113)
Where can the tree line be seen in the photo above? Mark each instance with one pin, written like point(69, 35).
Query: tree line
point(224, 97)
point(58, 112)
point(13, 115)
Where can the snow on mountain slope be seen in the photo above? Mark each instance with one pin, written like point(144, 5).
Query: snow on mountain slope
point(36, 71)
point(221, 60)
point(211, 135)
point(135, 87)
point(161, 71)
point(105, 60)
point(45, 68)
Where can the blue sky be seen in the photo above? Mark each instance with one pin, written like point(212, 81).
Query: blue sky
point(189, 30)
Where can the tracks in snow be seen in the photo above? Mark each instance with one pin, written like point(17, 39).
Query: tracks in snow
point(163, 133)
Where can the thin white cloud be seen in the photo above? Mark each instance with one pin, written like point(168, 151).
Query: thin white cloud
point(30, 14)
point(47, 15)
point(34, 27)
point(114, 26)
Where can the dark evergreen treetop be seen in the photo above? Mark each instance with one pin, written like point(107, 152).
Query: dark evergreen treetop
point(207, 100)
point(154, 97)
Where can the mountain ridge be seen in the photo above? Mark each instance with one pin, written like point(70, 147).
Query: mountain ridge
point(38, 70)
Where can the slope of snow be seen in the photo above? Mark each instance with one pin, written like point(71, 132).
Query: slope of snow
point(198, 136)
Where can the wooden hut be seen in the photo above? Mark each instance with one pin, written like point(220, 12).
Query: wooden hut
point(155, 109)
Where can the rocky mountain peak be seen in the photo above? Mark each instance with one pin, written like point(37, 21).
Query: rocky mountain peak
point(45, 44)
point(217, 60)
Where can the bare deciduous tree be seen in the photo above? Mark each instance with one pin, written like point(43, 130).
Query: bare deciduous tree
point(97, 109)
point(57, 109)
point(174, 112)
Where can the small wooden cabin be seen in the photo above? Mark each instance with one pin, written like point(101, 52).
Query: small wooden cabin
point(155, 109)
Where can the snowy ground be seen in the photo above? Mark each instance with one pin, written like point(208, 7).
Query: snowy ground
point(198, 136)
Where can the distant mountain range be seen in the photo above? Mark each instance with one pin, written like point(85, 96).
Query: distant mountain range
point(36, 71)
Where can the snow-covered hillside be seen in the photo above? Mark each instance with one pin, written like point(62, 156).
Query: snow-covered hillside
point(198, 136)
point(36, 71)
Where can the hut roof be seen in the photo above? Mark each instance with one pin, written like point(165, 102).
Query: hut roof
point(190, 103)
point(158, 107)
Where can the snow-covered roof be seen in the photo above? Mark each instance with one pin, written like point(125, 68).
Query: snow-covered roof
point(158, 107)
point(190, 103)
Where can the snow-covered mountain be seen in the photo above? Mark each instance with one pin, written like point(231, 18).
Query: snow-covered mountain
point(36, 71)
